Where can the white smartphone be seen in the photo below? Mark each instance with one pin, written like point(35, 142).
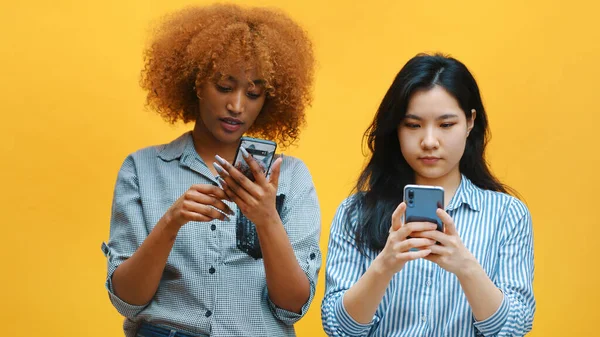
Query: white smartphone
point(422, 202)
point(263, 152)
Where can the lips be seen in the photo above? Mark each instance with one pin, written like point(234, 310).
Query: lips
point(429, 160)
point(230, 124)
point(232, 121)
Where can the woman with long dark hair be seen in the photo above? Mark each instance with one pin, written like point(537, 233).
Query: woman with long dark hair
point(389, 278)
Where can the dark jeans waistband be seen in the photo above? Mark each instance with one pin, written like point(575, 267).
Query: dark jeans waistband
point(149, 330)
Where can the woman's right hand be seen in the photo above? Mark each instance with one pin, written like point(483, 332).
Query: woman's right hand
point(397, 251)
point(199, 203)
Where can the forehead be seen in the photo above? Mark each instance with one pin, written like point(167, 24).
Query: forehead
point(433, 102)
point(239, 74)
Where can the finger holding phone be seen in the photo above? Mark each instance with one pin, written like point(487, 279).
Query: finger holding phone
point(245, 181)
point(400, 247)
point(201, 203)
point(425, 205)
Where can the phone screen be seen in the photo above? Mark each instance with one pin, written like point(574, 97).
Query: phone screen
point(261, 150)
point(422, 203)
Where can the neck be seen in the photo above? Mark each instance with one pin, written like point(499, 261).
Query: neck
point(207, 146)
point(449, 182)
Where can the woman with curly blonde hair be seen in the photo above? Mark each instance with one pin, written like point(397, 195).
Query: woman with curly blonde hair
point(196, 248)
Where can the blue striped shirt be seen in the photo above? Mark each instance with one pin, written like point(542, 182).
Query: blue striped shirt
point(425, 300)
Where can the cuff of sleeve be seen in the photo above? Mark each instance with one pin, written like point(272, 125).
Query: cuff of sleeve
point(311, 270)
point(124, 308)
point(288, 317)
point(493, 324)
point(348, 325)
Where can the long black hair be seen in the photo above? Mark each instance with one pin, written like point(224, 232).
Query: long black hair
point(380, 185)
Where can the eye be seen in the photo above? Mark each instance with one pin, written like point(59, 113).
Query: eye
point(447, 125)
point(222, 88)
point(252, 95)
point(411, 125)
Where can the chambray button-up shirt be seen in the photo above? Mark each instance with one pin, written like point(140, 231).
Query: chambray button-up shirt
point(214, 281)
point(425, 300)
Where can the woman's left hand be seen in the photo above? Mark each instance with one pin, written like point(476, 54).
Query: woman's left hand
point(255, 199)
point(450, 254)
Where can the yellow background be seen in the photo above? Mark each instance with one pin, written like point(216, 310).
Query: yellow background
point(72, 110)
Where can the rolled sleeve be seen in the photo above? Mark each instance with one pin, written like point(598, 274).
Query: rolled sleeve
point(127, 232)
point(311, 269)
point(301, 218)
point(345, 265)
point(515, 315)
point(350, 326)
point(494, 323)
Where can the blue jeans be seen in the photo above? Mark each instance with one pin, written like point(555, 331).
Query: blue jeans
point(149, 330)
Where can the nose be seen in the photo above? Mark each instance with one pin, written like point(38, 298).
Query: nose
point(430, 139)
point(237, 102)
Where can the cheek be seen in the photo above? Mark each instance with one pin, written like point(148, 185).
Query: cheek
point(256, 107)
point(407, 145)
point(209, 104)
point(456, 145)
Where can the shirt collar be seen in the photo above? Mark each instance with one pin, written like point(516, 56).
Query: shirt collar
point(466, 194)
point(177, 148)
point(182, 149)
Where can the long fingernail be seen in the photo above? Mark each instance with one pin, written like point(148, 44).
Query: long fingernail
point(244, 152)
point(218, 168)
point(220, 160)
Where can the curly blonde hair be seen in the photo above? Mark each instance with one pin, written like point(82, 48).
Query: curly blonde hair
point(191, 46)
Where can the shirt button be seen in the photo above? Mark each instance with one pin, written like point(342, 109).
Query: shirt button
point(424, 318)
point(212, 270)
point(428, 283)
point(213, 227)
point(312, 256)
point(208, 313)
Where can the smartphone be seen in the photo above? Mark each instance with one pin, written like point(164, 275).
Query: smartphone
point(263, 152)
point(422, 203)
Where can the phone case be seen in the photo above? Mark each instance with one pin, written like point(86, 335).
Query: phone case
point(422, 203)
point(263, 151)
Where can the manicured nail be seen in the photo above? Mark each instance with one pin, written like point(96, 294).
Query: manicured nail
point(220, 160)
point(218, 168)
point(244, 152)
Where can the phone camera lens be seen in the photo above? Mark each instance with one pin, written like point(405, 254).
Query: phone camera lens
point(411, 194)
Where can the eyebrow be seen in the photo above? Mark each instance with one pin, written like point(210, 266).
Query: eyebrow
point(442, 117)
point(256, 82)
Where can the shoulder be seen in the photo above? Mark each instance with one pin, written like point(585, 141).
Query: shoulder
point(152, 155)
point(504, 202)
point(293, 165)
point(511, 212)
point(294, 174)
point(346, 216)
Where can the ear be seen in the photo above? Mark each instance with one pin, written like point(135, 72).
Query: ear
point(471, 121)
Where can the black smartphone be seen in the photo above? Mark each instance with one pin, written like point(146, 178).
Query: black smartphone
point(263, 152)
point(422, 203)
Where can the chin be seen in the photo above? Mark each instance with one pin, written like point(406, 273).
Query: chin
point(227, 138)
point(431, 174)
